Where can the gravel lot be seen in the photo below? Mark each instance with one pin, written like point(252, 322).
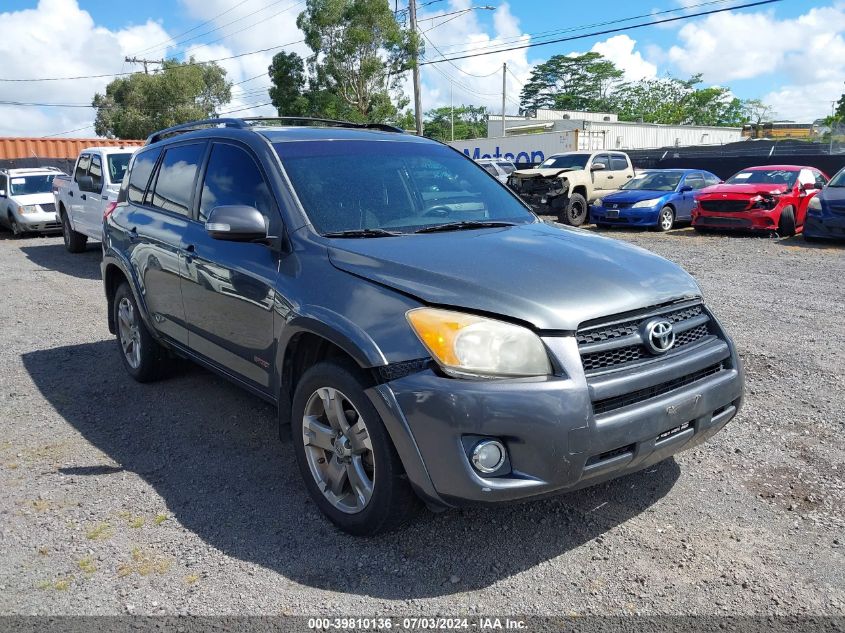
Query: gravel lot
point(177, 497)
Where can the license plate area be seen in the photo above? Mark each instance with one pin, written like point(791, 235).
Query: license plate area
point(613, 213)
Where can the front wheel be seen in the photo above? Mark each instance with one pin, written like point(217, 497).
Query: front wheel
point(666, 219)
point(17, 230)
point(74, 242)
point(576, 210)
point(786, 226)
point(142, 356)
point(345, 455)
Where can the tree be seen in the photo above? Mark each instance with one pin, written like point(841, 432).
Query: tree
point(571, 82)
point(359, 54)
point(470, 122)
point(287, 73)
point(839, 113)
point(755, 113)
point(138, 105)
point(676, 102)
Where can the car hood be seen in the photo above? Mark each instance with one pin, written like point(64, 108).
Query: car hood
point(832, 194)
point(34, 198)
point(635, 195)
point(743, 190)
point(543, 173)
point(552, 278)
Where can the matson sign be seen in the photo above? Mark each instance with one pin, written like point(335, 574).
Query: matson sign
point(524, 148)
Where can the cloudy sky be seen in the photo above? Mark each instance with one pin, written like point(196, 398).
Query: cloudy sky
point(790, 53)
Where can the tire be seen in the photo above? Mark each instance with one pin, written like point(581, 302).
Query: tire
point(786, 225)
point(382, 499)
point(576, 211)
point(74, 242)
point(141, 354)
point(666, 219)
point(14, 227)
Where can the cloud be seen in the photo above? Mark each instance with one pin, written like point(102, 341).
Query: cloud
point(620, 50)
point(804, 56)
point(57, 38)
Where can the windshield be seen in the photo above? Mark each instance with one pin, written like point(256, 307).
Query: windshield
point(395, 186)
point(654, 181)
point(25, 185)
point(838, 179)
point(764, 177)
point(577, 161)
point(117, 166)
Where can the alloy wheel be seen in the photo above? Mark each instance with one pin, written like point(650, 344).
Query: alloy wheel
point(129, 332)
point(666, 219)
point(13, 224)
point(338, 450)
point(576, 210)
point(65, 230)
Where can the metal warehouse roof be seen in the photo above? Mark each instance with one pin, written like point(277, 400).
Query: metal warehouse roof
point(55, 147)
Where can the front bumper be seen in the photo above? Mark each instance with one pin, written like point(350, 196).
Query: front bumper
point(554, 440)
point(39, 222)
point(826, 225)
point(761, 220)
point(629, 216)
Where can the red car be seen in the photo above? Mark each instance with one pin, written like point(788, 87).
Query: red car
point(768, 198)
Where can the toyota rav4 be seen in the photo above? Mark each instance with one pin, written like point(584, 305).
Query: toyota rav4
point(407, 314)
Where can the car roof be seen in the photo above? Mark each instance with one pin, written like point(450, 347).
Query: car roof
point(20, 171)
point(110, 150)
point(287, 134)
point(779, 167)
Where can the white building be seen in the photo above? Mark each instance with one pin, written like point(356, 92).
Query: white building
point(603, 130)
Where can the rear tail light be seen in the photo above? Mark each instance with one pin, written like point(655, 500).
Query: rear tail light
point(108, 210)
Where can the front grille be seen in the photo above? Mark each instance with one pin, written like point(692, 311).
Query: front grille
point(635, 351)
point(50, 207)
point(724, 205)
point(610, 404)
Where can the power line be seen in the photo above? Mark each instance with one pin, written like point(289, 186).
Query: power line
point(428, 39)
point(604, 32)
point(79, 129)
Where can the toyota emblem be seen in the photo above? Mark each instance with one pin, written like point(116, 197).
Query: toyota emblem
point(659, 336)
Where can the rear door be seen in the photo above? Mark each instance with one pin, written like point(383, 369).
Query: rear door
point(156, 227)
point(229, 287)
point(75, 200)
point(620, 170)
point(89, 219)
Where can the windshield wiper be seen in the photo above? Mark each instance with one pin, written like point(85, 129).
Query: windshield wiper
point(362, 233)
point(463, 226)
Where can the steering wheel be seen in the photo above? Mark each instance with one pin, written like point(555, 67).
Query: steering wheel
point(437, 212)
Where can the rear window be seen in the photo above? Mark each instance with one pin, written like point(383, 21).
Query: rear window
point(396, 186)
point(618, 163)
point(139, 177)
point(117, 164)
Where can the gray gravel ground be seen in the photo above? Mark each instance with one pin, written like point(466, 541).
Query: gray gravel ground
point(177, 497)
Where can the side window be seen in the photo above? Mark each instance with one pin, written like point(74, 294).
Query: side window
point(96, 172)
point(821, 181)
point(82, 166)
point(602, 158)
point(696, 181)
point(176, 176)
point(711, 180)
point(806, 177)
point(233, 178)
point(490, 169)
point(618, 162)
point(139, 176)
point(508, 168)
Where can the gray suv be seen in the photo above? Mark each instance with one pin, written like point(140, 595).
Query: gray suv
point(423, 333)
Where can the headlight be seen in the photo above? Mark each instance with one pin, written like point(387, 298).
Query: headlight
point(597, 202)
point(465, 344)
point(815, 204)
point(28, 208)
point(646, 203)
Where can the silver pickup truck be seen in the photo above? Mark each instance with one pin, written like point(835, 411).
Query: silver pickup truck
point(81, 199)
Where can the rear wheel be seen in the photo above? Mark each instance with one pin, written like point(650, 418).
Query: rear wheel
point(74, 242)
point(666, 219)
point(786, 226)
point(576, 210)
point(345, 455)
point(142, 356)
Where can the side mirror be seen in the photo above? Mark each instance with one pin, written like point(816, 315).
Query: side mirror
point(598, 167)
point(686, 188)
point(236, 223)
point(86, 183)
point(807, 186)
point(2, 193)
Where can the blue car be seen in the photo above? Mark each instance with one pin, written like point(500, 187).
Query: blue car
point(826, 211)
point(656, 198)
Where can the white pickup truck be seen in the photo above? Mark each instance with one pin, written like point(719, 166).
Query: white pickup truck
point(82, 198)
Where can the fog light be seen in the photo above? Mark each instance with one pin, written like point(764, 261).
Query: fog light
point(488, 456)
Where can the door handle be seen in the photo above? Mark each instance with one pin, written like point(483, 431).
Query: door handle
point(70, 193)
point(83, 197)
point(133, 234)
point(609, 177)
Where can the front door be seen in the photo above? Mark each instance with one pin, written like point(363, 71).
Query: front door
point(687, 198)
point(603, 180)
point(229, 287)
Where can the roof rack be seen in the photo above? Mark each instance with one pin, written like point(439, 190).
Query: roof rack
point(247, 122)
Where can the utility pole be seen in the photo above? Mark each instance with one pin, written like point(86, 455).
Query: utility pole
point(412, 12)
point(135, 60)
point(504, 94)
point(452, 107)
